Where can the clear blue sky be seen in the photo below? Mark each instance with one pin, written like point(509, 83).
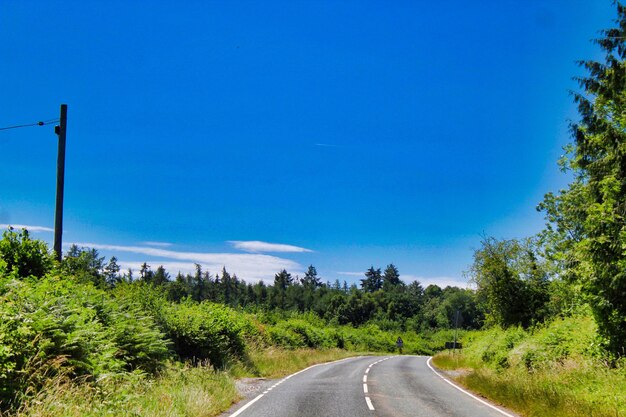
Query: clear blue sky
point(364, 132)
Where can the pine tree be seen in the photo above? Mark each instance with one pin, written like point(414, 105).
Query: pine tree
point(373, 280)
point(391, 278)
point(587, 222)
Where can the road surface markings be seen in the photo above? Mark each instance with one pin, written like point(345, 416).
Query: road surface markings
point(466, 392)
point(258, 397)
point(368, 400)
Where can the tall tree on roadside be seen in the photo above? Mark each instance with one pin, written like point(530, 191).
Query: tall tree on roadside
point(587, 221)
point(511, 284)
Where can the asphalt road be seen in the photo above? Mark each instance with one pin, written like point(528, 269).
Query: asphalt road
point(365, 386)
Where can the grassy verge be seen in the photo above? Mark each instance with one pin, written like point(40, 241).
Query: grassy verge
point(277, 363)
point(539, 373)
point(178, 391)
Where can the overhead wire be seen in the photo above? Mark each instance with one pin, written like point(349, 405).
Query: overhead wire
point(40, 123)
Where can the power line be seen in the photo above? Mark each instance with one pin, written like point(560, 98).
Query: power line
point(40, 123)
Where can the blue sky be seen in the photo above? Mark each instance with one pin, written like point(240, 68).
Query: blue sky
point(344, 134)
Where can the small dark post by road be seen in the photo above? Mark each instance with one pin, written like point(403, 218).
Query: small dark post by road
point(456, 328)
point(60, 130)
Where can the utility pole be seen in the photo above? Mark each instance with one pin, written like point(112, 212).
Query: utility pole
point(60, 130)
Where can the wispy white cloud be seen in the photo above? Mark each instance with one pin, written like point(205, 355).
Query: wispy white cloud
point(352, 274)
point(30, 228)
point(440, 281)
point(326, 145)
point(247, 266)
point(158, 244)
point(258, 246)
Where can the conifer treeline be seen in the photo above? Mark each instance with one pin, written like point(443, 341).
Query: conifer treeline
point(382, 297)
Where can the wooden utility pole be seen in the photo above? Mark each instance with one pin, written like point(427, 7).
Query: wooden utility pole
point(60, 130)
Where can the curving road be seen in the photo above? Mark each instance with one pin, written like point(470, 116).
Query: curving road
point(367, 386)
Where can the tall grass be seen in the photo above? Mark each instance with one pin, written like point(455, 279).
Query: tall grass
point(197, 391)
point(190, 391)
point(554, 370)
point(277, 362)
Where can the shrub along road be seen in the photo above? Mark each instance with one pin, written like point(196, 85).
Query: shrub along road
point(366, 386)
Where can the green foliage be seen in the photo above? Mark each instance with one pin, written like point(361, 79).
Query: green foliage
point(22, 256)
point(55, 325)
point(298, 333)
point(391, 278)
point(178, 391)
point(356, 308)
point(373, 280)
point(556, 369)
point(87, 265)
point(204, 331)
point(512, 284)
point(586, 231)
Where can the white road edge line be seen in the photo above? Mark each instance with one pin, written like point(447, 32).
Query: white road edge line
point(242, 409)
point(466, 392)
point(365, 388)
point(369, 403)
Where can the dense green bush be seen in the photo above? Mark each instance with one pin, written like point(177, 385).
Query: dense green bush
point(297, 333)
point(543, 346)
point(198, 331)
point(204, 331)
point(21, 256)
point(54, 325)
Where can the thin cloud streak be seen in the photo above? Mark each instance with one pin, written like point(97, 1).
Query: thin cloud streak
point(158, 244)
point(184, 268)
point(30, 228)
point(352, 274)
point(255, 246)
point(246, 266)
point(439, 281)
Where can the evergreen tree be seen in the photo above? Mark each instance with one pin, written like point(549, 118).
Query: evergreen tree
point(227, 286)
point(311, 280)
point(84, 263)
point(587, 221)
point(391, 278)
point(373, 280)
point(145, 273)
point(281, 281)
point(161, 277)
point(111, 272)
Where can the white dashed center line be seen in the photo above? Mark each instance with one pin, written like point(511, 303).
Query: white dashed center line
point(258, 397)
point(368, 400)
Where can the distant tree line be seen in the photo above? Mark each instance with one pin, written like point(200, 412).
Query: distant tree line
point(382, 297)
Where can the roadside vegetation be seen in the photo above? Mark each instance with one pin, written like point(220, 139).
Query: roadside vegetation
point(555, 369)
point(544, 330)
point(554, 342)
point(73, 343)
